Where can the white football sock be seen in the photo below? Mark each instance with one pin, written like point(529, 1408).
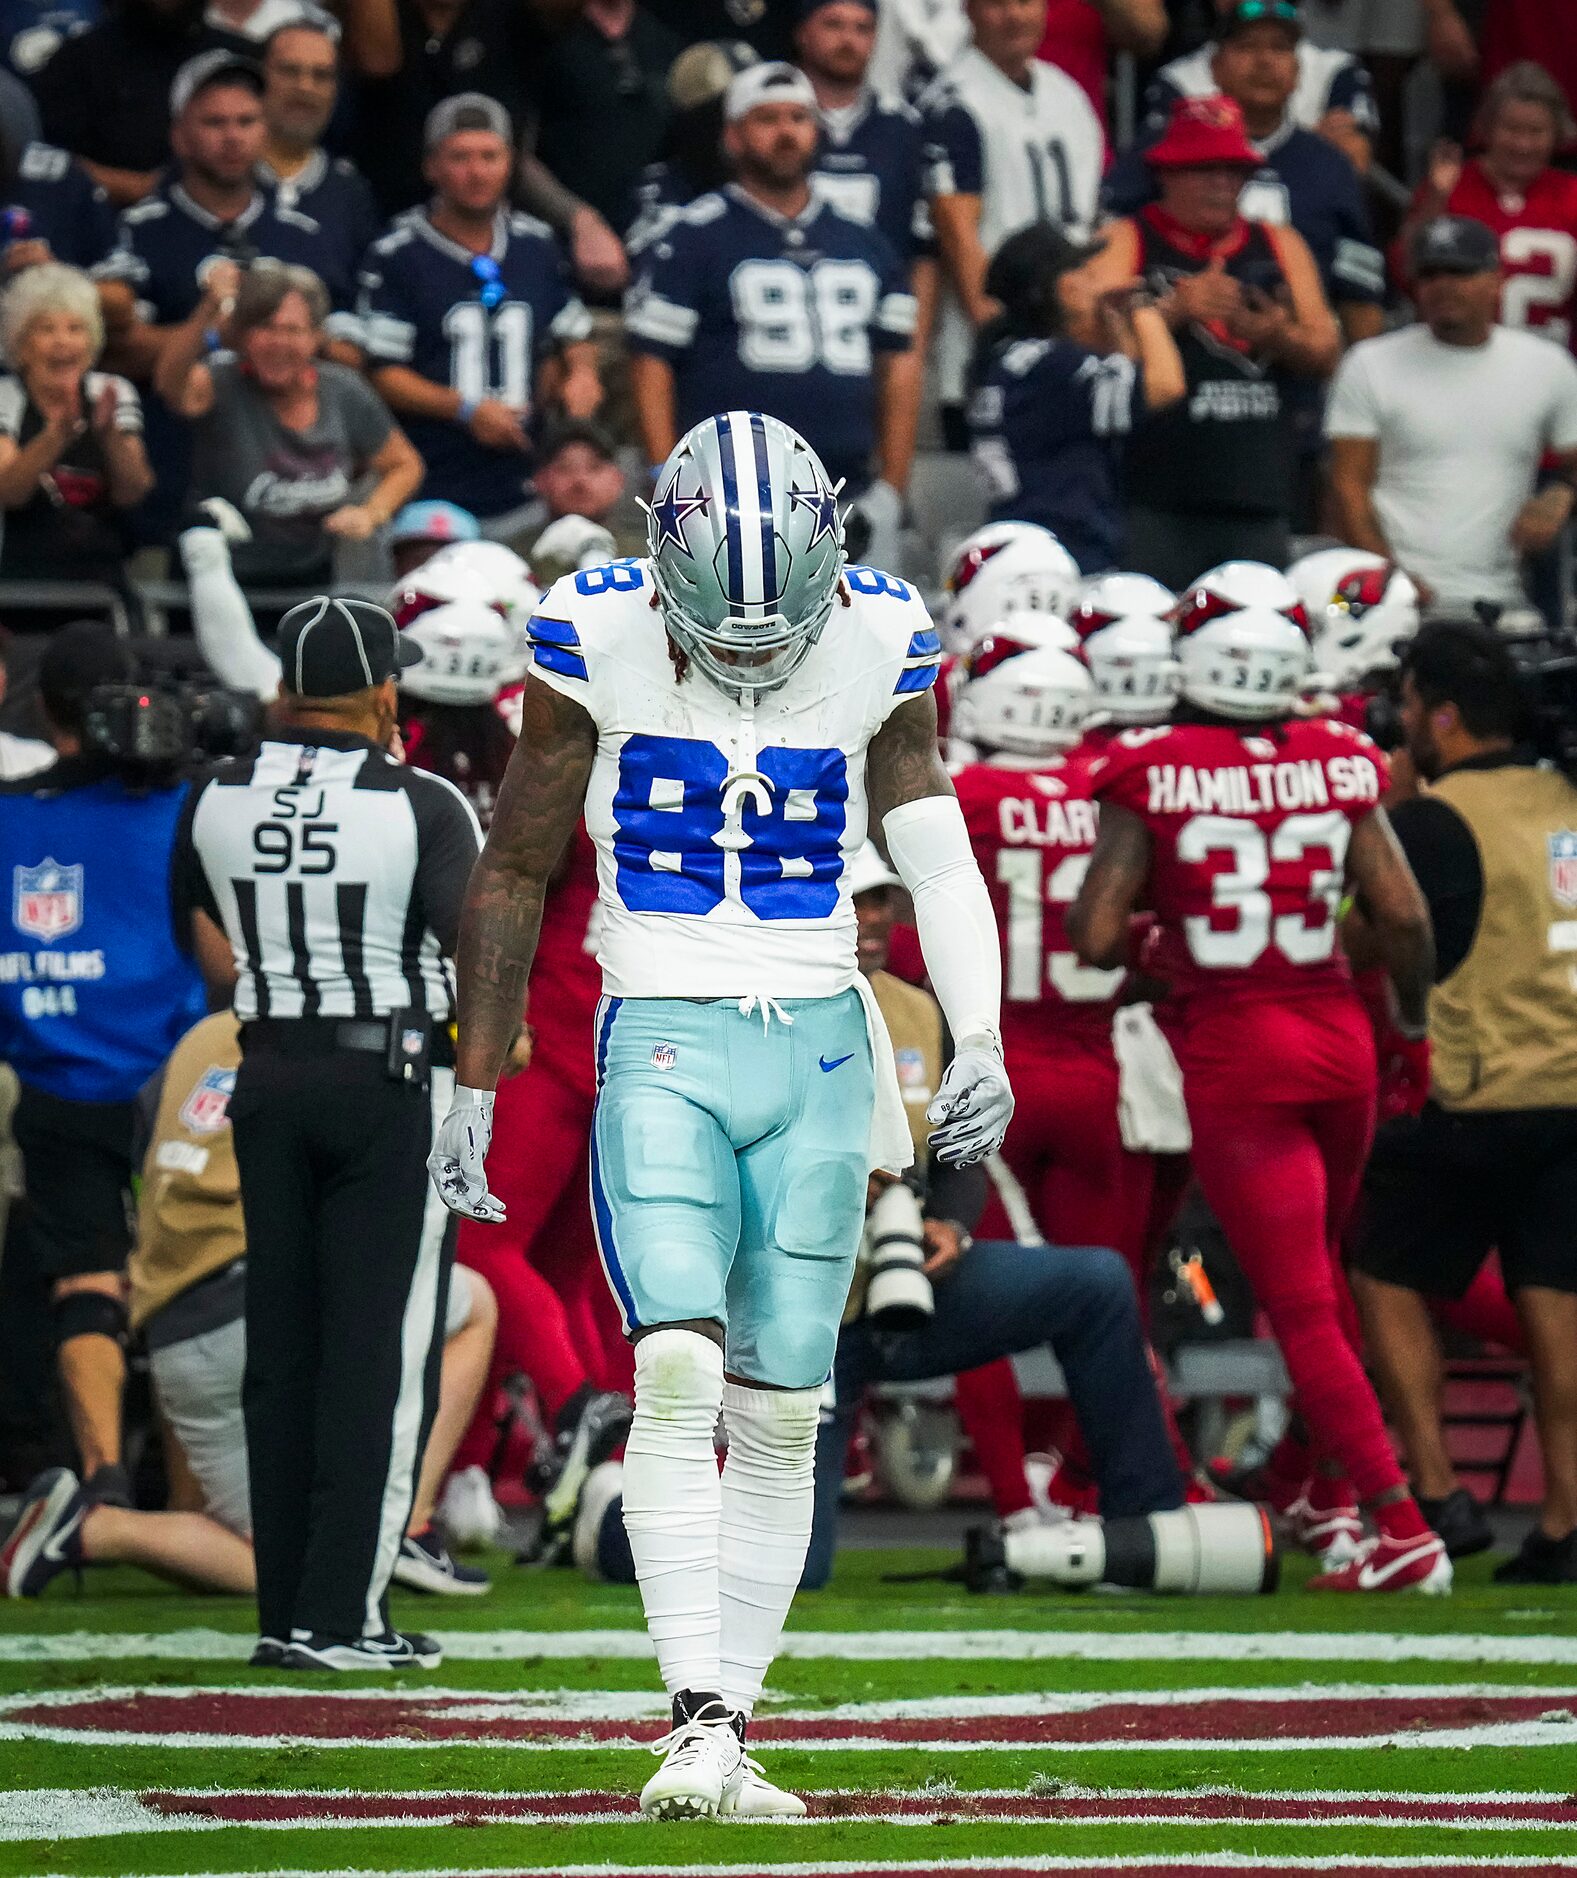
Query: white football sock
point(769, 1496)
point(672, 1501)
point(222, 620)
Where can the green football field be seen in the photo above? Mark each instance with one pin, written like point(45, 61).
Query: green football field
point(930, 1732)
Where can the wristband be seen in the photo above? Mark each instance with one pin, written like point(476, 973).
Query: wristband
point(465, 410)
point(213, 339)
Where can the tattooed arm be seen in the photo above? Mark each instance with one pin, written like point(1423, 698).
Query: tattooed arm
point(1394, 915)
point(904, 761)
point(1097, 921)
point(543, 793)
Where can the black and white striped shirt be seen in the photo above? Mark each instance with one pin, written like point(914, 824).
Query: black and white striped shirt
point(337, 873)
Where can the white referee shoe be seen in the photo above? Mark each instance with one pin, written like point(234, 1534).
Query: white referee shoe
point(702, 1756)
point(750, 1795)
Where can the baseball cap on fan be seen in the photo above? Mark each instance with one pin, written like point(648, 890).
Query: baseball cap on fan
point(772, 82)
point(331, 647)
point(1455, 244)
point(466, 110)
point(212, 68)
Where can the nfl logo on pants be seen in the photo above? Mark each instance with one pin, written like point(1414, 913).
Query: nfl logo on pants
point(1563, 867)
point(46, 901)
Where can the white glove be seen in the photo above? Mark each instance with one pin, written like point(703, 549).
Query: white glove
point(458, 1153)
point(882, 507)
point(974, 1105)
point(573, 542)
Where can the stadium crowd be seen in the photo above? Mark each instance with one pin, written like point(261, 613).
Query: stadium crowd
point(1118, 324)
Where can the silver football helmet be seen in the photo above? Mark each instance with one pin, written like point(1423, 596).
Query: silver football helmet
point(746, 550)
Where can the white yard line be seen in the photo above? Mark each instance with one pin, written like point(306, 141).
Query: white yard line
point(590, 1705)
point(1195, 1861)
point(861, 1646)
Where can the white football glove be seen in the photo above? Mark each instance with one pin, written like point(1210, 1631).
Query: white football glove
point(974, 1105)
point(456, 1162)
point(573, 542)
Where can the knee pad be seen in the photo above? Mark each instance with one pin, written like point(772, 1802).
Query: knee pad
point(89, 1314)
point(794, 1354)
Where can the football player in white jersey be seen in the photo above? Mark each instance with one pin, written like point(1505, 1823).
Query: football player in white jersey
point(731, 713)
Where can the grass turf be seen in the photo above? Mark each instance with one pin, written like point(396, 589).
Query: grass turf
point(859, 1600)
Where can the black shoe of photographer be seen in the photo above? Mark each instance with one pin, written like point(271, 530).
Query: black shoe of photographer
point(986, 1569)
point(1460, 1522)
point(1541, 1561)
point(395, 1649)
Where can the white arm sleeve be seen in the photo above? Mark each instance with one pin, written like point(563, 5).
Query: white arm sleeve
point(929, 845)
point(222, 620)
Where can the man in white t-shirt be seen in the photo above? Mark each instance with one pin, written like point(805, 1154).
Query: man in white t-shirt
point(1010, 140)
point(1438, 431)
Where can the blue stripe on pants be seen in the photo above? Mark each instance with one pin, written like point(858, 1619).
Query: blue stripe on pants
point(601, 1212)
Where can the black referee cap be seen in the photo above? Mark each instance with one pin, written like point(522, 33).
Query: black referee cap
point(331, 647)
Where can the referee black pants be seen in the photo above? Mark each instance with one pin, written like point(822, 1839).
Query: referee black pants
point(347, 1272)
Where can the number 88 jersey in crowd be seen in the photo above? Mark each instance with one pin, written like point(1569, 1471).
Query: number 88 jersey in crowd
point(723, 829)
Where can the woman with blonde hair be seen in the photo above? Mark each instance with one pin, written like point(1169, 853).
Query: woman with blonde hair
point(72, 462)
point(283, 436)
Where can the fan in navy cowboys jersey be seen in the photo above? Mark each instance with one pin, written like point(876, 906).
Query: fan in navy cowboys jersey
point(1047, 414)
point(68, 217)
point(460, 301)
point(1334, 96)
point(1306, 182)
point(300, 89)
point(207, 208)
point(692, 160)
point(762, 296)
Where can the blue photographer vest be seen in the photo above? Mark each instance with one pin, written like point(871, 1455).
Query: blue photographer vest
point(94, 992)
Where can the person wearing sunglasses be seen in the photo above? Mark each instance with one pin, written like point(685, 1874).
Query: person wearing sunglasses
point(1334, 94)
point(470, 322)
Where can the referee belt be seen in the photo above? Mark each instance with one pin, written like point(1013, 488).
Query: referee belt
point(323, 1036)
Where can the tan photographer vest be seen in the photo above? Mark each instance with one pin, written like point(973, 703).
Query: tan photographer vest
point(1503, 1026)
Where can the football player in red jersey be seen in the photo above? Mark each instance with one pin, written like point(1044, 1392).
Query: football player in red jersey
point(542, 1260)
point(1032, 824)
point(1239, 825)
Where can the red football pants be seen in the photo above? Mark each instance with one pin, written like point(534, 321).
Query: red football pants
point(1282, 1179)
point(1064, 1147)
point(556, 1321)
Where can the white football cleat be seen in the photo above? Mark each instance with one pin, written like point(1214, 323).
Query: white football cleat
point(750, 1795)
point(1331, 1534)
point(701, 1756)
point(467, 1510)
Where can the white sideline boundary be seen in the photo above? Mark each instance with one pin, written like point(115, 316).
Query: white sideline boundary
point(861, 1646)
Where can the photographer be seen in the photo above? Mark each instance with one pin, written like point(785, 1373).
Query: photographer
point(1490, 1161)
point(1048, 416)
point(94, 992)
point(986, 1300)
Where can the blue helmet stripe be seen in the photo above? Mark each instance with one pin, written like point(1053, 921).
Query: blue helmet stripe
point(769, 546)
point(725, 456)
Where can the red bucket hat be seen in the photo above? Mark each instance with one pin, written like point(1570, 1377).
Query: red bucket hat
point(1201, 131)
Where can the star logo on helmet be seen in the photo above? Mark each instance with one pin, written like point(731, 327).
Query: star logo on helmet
point(671, 511)
point(823, 505)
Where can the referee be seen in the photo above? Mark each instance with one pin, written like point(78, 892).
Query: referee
point(337, 873)
point(1491, 1162)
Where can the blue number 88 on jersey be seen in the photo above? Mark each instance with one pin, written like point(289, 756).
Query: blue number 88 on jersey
point(669, 823)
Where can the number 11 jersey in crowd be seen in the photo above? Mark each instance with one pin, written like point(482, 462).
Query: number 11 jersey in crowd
point(478, 323)
point(723, 829)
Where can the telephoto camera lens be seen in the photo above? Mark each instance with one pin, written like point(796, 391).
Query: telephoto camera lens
point(899, 1294)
